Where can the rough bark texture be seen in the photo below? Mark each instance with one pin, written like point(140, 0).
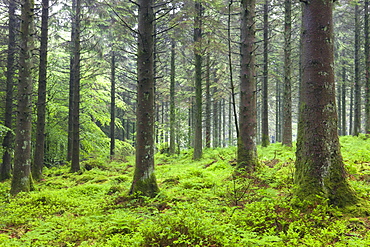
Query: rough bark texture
point(247, 153)
point(198, 82)
point(357, 82)
point(216, 121)
point(367, 68)
point(112, 104)
point(38, 161)
point(144, 181)
point(265, 110)
point(319, 165)
point(75, 164)
point(22, 179)
point(5, 169)
point(287, 95)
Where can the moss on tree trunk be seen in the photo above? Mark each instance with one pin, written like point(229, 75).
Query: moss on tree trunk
point(320, 172)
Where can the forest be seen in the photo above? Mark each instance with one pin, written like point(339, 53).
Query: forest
point(184, 123)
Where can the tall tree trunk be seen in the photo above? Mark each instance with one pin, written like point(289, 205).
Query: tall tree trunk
point(198, 81)
point(112, 104)
point(172, 98)
point(76, 25)
point(208, 103)
point(344, 112)
point(319, 165)
point(287, 95)
point(5, 169)
point(278, 112)
point(247, 152)
point(22, 178)
point(215, 119)
point(357, 83)
point(38, 162)
point(71, 81)
point(351, 99)
point(367, 69)
point(265, 110)
point(232, 86)
point(144, 181)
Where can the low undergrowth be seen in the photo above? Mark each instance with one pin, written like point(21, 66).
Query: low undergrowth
point(201, 203)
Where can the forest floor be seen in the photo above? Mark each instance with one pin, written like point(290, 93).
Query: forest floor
point(201, 203)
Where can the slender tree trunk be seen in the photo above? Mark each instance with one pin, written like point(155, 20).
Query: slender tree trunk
point(208, 103)
point(71, 81)
point(172, 98)
point(5, 169)
point(351, 99)
point(232, 86)
point(344, 112)
point(357, 83)
point(319, 165)
point(265, 116)
point(22, 178)
point(367, 69)
point(287, 95)
point(38, 162)
point(144, 181)
point(75, 164)
point(278, 112)
point(198, 81)
point(216, 121)
point(112, 104)
point(247, 152)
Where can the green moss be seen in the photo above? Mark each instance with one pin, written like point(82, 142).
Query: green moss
point(145, 186)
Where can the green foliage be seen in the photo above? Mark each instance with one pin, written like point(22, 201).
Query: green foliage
point(201, 203)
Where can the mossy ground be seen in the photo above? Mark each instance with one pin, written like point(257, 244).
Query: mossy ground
point(201, 203)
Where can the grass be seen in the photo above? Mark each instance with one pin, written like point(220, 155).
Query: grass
point(201, 203)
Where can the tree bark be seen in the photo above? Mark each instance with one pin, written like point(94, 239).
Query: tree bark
point(22, 178)
point(319, 165)
point(5, 169)
point(144, 181)
point(232, 86)
point(357, 82)
point(247, 153)
point(76, 25)
point(198, 81)
point(367, 68)
point(172, 98)
point(38, 161)
point(287, 95)
point(208, 103)
point(113, 104)
point(265, 110)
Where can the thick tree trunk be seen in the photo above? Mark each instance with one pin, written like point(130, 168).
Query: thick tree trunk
point(172, 98)
point(5, 169)
point(38, 161)
point(319, 165)
point(22, 179)
point(247, 152)
point(357, 82)
point(367, 69)
point(144, 181)
point(113, 104)
point(198, 81)
point(287, 95)
point(265, 110)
